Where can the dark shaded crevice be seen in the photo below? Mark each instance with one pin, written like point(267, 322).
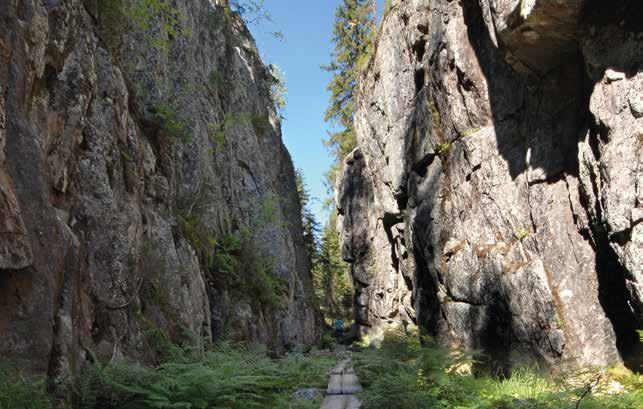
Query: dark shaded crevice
point(389, 221)
point(613, 296)
point(419, 47)
point(611, 274)
point(428, 309)
point(419, 80)
point(473, 170)
point(421, 167)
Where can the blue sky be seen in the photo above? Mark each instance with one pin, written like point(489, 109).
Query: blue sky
point(307, 26)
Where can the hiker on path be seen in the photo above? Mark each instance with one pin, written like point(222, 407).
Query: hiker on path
point(339, 328)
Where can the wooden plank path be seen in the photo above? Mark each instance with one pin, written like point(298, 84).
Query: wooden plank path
point(342, 387)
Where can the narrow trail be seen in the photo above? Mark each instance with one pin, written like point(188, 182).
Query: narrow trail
point(342, 387)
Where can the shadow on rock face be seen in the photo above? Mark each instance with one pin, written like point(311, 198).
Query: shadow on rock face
point(542, 114)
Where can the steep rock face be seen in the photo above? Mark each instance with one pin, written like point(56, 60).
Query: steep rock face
point(129, 135)
point(497, 183)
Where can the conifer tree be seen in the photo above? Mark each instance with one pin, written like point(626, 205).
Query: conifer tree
point(308, 221)
point(333, 283)
point(353, 33)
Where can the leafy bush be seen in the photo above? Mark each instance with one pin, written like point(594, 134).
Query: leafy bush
point(403, 374)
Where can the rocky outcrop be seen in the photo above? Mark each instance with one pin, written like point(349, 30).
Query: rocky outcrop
point(133, 135)
point(495, 196)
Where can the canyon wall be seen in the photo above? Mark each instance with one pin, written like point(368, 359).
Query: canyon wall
point(146, 194)
point(495, 198)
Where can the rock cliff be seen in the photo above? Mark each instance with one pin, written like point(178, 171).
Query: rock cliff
point(146, 195)
point(496, 195)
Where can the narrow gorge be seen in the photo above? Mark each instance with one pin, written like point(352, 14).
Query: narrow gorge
point(491, 203)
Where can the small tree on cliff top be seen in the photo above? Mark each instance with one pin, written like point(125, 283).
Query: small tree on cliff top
point(353, 33)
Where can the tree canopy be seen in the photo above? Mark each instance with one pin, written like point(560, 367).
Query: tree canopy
point(353, 32)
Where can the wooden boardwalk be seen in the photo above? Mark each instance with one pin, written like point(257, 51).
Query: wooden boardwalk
point(342, 387)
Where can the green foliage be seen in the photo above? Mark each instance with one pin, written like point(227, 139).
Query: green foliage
point(521, 234)
point(353, 36)
point(263, 286)
point(469, 132)
point(20, 392)
point(332, 280)
point(219, 255)
point(309, 223)
point(216, 80)
point(232, 259)
point(268, 211)
point(278, 89)
point(260, 124)
point(403, 373)
point(224, 377)
point(218, 133)
point(251, 11)
point(146, 14)
point(443, 149)
point(168, 119)
point(217, 137)
point(158, 20)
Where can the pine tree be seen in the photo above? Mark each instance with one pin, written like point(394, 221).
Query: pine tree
point(353, 31)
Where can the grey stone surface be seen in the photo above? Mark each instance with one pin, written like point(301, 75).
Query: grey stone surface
point(108, 132)
point(343, 384)
point(341, 402)
point(494, 198)
point(334, 384)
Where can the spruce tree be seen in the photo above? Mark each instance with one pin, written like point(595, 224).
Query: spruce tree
point(353, 33)
point(333, 283)
point(308, 221)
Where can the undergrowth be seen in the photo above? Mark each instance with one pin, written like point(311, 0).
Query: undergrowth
point(223, 377)
point(20, 392)
point(402, 374)
point(233, 261)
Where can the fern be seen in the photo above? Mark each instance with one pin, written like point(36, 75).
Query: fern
point(225, 377)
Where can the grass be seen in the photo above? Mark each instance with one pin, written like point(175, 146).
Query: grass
point(20, 392)
point(402, 374)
